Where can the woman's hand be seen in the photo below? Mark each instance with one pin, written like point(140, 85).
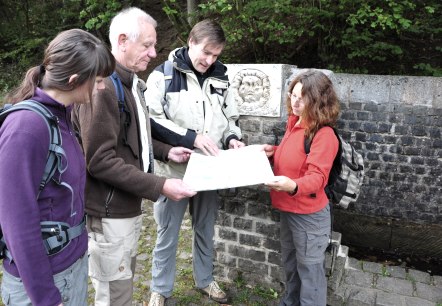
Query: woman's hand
point(282, 183)
point(268, 149)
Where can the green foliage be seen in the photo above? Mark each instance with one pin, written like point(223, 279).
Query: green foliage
point(267, 293)
point(97, 15)
point(179, 19)
point(355, 36)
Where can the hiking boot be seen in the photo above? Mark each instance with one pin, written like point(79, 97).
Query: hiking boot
point(156, 299)
point(215, 293)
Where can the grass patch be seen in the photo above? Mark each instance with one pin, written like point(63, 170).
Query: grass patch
point(185, 292)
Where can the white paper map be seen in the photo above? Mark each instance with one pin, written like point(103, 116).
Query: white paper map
point(231, 168)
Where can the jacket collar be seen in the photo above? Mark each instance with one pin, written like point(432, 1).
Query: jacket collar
point(181, 58)
point(126, 75)
point(57, 108)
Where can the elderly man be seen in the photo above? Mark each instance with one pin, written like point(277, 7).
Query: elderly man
point(115, 134)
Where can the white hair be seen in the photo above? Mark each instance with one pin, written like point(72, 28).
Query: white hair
point(127, 22)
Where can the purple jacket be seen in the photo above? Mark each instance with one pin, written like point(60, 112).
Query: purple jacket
point(24, 142)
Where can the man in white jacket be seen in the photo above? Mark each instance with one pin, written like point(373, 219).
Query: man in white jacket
point(194, 111)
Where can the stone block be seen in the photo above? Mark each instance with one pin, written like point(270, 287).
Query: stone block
point(274, 258)
point(395, 271)
point(277, 273)
point(342, 85)
point(227, 234)
point(242, 223)
point(250, 266)
point(250, 125)
point(268, 229)
point(336, 297)
point(361, 297)
point(370, 88)
point(372, 267)
point(388, 299)
point(416, 91)
point(419, 276)
point(359, 278)
point(394, 285)
point(354, 264)
point(250, 240)
point(414, 301)
point(437, 281)
point(226, 260)
point(245, 252)
point(429, 292)
point(272, 244)
point(335, 278)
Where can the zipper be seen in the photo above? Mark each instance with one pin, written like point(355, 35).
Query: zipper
point(108, 199)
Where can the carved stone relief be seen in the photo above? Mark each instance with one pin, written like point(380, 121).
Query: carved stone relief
point(256, 89)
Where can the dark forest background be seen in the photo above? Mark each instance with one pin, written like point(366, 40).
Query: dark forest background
point(353, 36)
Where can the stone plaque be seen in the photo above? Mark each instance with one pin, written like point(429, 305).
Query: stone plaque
point(256, 88)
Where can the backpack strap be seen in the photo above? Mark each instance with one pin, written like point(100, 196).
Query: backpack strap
point(60, 234)
point(168, 75)
point(307, 144)
point(56, 159)
point(119, 90)
point(56, 154)
point(124, 113)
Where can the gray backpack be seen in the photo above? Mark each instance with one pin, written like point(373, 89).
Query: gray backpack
point(346, 176)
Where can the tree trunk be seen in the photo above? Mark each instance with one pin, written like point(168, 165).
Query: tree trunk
point(191, 10)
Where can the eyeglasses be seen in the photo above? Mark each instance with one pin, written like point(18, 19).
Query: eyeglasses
point(295, 98)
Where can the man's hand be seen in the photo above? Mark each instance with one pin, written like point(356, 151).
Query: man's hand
point(176, 189)
point(206, 145)
point(179, 154)
point(235, 144)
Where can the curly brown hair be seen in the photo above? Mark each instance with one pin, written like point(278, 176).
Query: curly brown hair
point(321, 102)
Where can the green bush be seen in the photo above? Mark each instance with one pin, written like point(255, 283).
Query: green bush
point(354, 36)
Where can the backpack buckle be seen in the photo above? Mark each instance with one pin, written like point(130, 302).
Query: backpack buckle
point(55, 231)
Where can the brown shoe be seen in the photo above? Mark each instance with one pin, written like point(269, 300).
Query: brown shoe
point(156, 299)
point(215, 293)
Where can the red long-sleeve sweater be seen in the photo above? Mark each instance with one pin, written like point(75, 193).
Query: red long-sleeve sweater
point(309, 172)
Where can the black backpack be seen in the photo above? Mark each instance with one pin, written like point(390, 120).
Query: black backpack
point(346, 175)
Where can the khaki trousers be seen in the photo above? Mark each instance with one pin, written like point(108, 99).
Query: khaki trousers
point(113, 247)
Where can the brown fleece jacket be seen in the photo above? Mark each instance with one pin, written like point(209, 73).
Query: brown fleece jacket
point(116, 182)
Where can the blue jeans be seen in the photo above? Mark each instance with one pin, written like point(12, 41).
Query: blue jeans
point(72, 284)
point(304, 239)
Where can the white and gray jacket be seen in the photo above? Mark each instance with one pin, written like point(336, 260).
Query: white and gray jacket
point(192, 108)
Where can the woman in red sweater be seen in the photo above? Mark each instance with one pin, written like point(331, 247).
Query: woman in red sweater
point(298, 189)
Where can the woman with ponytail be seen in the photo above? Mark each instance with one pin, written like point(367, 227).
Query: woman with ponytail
point(74, 65)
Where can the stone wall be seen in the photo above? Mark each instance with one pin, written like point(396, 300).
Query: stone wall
point(396, 123)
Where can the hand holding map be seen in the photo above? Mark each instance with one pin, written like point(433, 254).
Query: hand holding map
point(231, 168)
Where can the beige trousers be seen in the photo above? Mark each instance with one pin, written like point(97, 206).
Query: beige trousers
point(113, 247)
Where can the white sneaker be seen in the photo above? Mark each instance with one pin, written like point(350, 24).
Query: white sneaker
point(215, 293)
point(156, 299)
